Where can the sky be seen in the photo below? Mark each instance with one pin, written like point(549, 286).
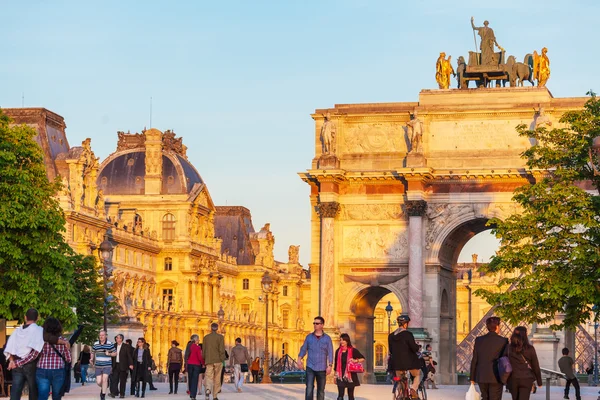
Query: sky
point(238, 80)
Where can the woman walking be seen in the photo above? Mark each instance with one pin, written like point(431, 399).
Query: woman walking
point(254, 369)
point(50, 374)
point(174, 363)
point(101, 357)
point(525, 365)
point(142, 363)
point(344, 377)
point(84, 361)
point(195, 364)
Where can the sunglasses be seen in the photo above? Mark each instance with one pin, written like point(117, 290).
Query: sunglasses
point(317, 323)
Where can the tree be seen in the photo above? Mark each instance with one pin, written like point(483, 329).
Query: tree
point(89, 296)
point(550, 251)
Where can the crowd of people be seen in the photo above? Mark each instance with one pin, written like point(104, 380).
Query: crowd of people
point(39, 357)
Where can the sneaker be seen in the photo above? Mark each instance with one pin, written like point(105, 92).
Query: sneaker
point(207, 394)
point(566, 397)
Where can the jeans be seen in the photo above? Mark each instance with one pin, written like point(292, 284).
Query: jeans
point(320, 376)
point(575, 384)
point(23, 374)
point(193, 373)
point(239, 376)
point(45, 378)
point(84, 369)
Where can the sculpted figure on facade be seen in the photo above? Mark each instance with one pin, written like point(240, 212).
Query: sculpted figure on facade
point(328, 135)
point(415, 133)
point(294, 255)
point(443, 70)
point(439, 215)
point(100, 204)
point(488, 40)
point(542, 120)
point(128, 141)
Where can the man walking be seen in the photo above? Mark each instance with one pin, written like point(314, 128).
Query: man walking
point(213, 348)
point(22, 350)
point(318, 348)
point(484, 365)
point(240, 359)
point(565, 363)
point(122, 362)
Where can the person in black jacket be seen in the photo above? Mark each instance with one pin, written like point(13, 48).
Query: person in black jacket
point(142, 364)
point(122, 363)
point(525, 365)
point(484, 366)
point(403, 351)
point(343, 377)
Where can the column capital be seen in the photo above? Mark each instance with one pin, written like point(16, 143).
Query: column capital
point(416, 208)
point(329, 209)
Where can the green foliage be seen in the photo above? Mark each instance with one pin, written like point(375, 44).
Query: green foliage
point(549, 252)
point(89, 297)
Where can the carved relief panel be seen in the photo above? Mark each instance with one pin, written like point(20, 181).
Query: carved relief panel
point(375, 242)
point(373, 138)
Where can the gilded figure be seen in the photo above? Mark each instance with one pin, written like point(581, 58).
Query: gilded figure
point(443, 70)
point(541, 67)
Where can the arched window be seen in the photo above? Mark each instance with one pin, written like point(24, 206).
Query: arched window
point(379, 350)
point(167, 300)
point(285, 319)
point(246, 284)
point(285, 288)
point(168, 264)
point(168, 227)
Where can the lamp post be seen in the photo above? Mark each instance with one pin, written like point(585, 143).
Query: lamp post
point(105, 252)
point(267, 287)
point(388, 310)
point(596, 310)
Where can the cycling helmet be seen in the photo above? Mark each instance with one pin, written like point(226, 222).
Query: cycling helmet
point(402, 319)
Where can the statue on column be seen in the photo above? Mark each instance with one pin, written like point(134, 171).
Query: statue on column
point(415, 133)
point(328, 133)
point(294, 255)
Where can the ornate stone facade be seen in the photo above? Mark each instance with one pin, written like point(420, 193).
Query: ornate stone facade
point(178, 259)
point(405, 215)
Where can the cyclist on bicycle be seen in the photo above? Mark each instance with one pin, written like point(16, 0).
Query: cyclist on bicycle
point(404, 357)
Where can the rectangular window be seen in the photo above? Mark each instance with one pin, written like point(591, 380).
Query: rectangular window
point(245, 309)
point(378, 323)
point(285, 319)
point(246, 284)
point(168, 264)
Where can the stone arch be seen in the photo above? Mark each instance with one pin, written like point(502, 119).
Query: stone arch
point(364, 300)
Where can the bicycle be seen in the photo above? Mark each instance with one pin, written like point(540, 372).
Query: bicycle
point(401, 388)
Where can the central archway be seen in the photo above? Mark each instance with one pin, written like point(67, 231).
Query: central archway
point(362, 309)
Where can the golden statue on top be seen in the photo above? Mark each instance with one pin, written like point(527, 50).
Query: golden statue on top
point(541, 67)
point(443, 70)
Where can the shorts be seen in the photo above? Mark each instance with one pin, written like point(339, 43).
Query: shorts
point(103, 370)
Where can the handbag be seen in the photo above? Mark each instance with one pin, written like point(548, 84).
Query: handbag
point(244, 367)
point(66, 387)
point(504, 367)
point(355, 367)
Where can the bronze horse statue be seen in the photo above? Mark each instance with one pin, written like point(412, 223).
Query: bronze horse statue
point(520, 72)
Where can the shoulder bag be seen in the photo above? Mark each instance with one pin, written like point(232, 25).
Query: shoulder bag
point(504, 367)
point(67, 368)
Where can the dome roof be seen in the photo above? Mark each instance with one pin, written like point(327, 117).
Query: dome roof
point(124, 171)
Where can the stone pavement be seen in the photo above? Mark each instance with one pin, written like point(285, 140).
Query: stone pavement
point(296, 391)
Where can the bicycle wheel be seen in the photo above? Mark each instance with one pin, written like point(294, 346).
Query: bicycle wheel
point(422, 392)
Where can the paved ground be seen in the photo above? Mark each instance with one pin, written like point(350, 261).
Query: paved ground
point(292, 391)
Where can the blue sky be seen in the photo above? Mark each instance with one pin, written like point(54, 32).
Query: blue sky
point(238, 79)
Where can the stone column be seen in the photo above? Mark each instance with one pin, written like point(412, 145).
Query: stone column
point(415, 210)
point(206, 296)
point(328, 211)
point(194, 289)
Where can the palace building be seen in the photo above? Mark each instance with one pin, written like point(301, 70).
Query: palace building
point(180, 262)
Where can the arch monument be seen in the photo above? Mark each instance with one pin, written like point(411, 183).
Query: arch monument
point(398, 190)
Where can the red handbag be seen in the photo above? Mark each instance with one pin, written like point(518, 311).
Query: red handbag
point(355, 367)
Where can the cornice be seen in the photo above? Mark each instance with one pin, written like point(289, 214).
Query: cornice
point(87, 219)
point(124, 238)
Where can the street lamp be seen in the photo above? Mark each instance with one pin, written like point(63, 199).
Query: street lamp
point(596, 310)
point(105, 252)
point(388, 310)
point(267, 287)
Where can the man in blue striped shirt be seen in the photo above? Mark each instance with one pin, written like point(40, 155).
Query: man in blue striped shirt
point(319, 348)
